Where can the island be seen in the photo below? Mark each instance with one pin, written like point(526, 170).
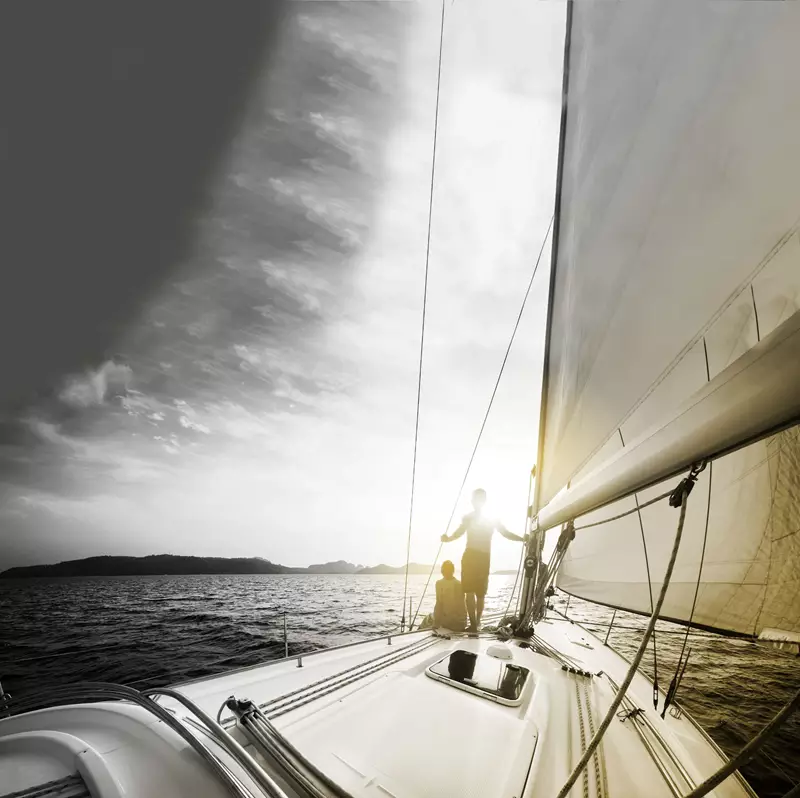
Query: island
point(176, 565)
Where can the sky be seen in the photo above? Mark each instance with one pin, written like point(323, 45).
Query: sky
point(263, 402)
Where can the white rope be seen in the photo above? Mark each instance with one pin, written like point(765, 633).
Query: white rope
point(684, 488)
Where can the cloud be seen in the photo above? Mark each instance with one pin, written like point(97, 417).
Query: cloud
point(187, 423)
point(277, 375)
point(93, 387)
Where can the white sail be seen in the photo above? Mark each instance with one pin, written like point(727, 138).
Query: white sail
point(676, 252)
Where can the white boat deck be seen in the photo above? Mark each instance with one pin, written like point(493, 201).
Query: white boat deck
point(372, 719)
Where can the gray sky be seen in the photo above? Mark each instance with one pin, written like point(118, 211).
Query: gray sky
point(263, 403)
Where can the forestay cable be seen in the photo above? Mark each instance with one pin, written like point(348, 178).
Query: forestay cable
point(488, 409)
point(424, 313)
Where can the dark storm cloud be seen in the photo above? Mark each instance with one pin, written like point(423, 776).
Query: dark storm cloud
point(270, 261)
point(261, 402)
point(273, 255)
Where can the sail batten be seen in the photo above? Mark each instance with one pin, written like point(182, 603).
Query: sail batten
point(756, 396)
point(674, 321)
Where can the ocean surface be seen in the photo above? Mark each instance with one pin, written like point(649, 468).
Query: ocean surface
point(149, 631)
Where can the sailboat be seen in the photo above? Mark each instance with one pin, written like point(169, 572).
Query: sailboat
point(668, 472)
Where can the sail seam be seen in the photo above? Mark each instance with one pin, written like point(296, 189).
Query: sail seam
point(755, 311)
point(773, 489)
point(688, 408)
point(737, 292)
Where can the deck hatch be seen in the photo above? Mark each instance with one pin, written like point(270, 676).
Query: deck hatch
point(489, 677)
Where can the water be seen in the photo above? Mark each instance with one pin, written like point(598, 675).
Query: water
point(149, 631)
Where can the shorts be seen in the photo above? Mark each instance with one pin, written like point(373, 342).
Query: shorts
point(475, 572)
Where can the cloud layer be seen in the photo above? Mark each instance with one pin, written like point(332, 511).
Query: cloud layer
point(263, 404)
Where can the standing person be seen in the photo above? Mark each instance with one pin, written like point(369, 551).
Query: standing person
point(476, 561)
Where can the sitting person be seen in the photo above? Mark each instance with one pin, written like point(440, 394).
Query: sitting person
point(450, 611)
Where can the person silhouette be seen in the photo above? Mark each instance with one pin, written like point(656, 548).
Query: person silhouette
point(449, 612)
point(476, 560)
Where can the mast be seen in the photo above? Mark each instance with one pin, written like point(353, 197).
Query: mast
point(535, 543)
point(554, 255)
point(673, 325)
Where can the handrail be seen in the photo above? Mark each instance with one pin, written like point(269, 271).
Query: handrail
point(286, 706)
point(743, 783)
point(89, 691)
point(263, 734)
point(629, 706)
point(227, 741)
point(385, 636)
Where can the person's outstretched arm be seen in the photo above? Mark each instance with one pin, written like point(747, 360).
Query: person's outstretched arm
point(457, 534)
point(509, 535)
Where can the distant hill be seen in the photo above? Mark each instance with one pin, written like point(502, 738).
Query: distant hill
point(173, 564)
point(338, 567)
point(413, 568)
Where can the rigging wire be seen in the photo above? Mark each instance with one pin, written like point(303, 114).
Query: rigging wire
point(489, 407)
point(749, 751)
point(680, 496)
point(650, 590)
point(794, 792)
point(516, 580)
point(522, 552)
point(633, 510)
point(692, 632)
point(681, 666)
point(424, 313)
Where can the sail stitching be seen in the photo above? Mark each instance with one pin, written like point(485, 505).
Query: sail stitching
point(693, 342)
point(688, 408)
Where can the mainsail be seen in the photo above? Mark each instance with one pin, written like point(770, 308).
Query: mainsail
point(676, 256)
